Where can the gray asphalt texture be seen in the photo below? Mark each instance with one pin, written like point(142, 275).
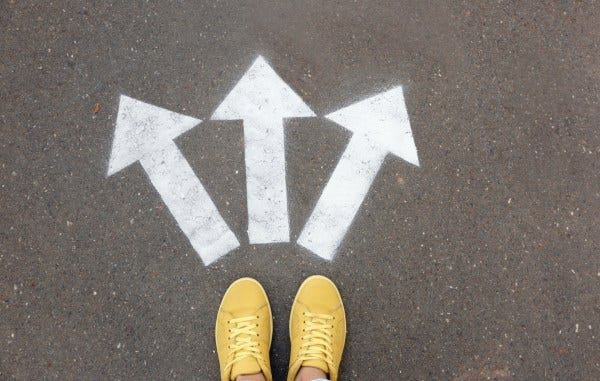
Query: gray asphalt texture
point(482, 263)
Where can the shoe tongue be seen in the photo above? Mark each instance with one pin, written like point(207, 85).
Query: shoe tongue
point(248, 365)
point(320, 364)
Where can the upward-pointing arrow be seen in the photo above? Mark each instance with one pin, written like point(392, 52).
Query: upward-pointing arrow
point(262, 100)
point(380, 126)
point(145, 133)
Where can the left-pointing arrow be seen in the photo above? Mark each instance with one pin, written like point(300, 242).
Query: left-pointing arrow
point(145, 133)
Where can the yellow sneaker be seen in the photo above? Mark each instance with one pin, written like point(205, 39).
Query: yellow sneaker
point(317, 328)
point(243, 330)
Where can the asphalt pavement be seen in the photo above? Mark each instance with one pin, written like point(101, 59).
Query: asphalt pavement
point(481, 263)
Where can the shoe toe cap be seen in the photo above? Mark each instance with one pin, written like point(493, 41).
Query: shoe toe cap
point(245, 296)
point(318, 294)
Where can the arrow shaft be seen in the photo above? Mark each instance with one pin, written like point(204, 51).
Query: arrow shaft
point(189, 203)
point(342, 197)
point(268, 219)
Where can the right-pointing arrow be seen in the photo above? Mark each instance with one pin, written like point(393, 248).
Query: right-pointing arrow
point(380, 125)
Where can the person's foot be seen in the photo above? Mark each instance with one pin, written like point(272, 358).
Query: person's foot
point(317, 328)
point(243, 331)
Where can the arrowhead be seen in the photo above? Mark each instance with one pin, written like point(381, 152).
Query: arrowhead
point(383, 120)
point(261, 93)
point(143, 128)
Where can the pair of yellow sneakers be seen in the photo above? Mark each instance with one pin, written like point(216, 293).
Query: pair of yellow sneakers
point(244, 329)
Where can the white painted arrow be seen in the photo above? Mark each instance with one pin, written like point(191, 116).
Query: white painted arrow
point(380, 126)
point(262, 100)
point(145, 133)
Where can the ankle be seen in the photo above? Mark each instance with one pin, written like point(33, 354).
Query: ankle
point(251, 377)
point(308, 373)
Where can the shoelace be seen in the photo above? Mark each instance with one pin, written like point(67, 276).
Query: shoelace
point(243, 344)
point(317, 338)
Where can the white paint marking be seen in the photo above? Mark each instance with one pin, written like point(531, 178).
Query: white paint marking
point(145, 133)
point(380, 125)
point(262, 100)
